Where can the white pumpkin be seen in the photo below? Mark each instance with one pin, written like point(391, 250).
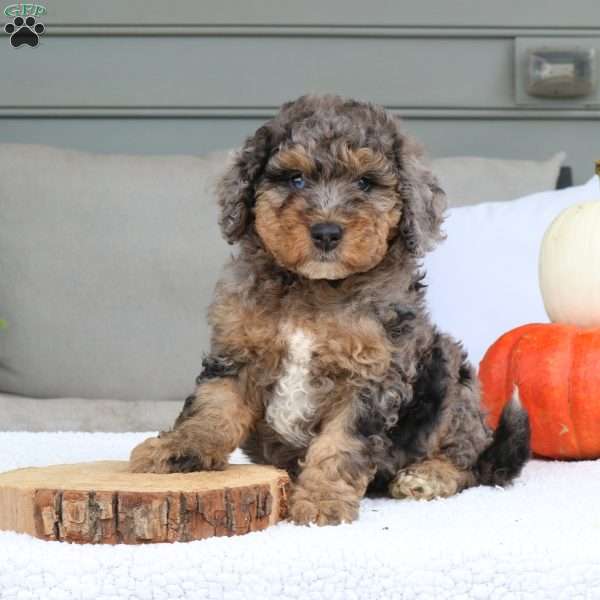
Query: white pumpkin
point(569, 267)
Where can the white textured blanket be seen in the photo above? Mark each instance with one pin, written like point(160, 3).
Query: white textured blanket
point(539, 539)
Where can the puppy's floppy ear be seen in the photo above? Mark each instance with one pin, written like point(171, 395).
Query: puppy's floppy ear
point(424, 202)
point(235, 190)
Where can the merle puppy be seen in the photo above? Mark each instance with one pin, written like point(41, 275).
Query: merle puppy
point(323, 358)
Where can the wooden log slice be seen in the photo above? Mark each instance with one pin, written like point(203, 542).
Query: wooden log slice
point(103, 503)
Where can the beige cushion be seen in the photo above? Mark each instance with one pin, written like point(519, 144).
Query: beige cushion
point(107, 265)
point(20, 413)
point(470, 179)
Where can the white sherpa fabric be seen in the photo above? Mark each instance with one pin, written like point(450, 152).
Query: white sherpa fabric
point(539, 539)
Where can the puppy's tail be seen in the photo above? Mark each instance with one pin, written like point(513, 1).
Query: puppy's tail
point(504, 458)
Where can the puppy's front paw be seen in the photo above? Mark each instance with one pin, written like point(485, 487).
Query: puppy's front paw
point(150, 456)
point(303, 510)
point(160, 455)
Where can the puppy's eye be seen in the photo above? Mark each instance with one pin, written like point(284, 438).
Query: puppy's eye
point(297, 182)
point(365, 184)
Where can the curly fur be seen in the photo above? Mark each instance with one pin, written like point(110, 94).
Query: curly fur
point(328, 363)
point(291, 409)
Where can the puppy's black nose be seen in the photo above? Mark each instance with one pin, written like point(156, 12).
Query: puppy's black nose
point(326, 236)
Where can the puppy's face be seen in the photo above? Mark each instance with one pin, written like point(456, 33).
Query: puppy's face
point(327, 184)
point(327, 212)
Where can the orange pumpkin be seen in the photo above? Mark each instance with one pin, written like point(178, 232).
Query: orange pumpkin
point(556, 368)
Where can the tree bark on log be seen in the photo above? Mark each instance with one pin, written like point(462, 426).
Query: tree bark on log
point(103, 503)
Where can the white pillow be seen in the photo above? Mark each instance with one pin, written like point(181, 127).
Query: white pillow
point(483, 280)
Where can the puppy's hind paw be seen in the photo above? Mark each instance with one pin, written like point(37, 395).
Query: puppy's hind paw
point(408, 484)
point(434, 478)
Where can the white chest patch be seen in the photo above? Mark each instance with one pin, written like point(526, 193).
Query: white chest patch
point(292, 408)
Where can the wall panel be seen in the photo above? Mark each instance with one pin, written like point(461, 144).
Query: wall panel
point(188, 76)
